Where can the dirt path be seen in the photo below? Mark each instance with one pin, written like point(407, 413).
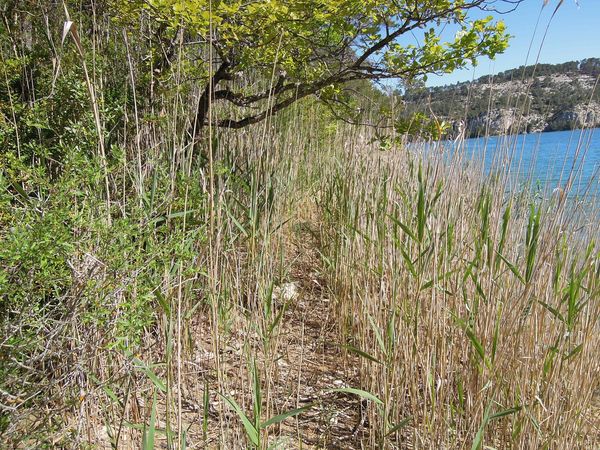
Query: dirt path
point(308, 363)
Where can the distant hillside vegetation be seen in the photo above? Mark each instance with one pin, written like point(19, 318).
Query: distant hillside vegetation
point(546, 97)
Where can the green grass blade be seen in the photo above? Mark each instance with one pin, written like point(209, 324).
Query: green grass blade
point(147, 370)
point(403, 227)
point(251, 430)
point(378, 335)
point(399, 425)
point(506, 412)
point(281, 417)
point(512, 268)
point(365, 355)
point(477, 345)
point(556, 313)
point(149, 433)
point(478, 441)
point(421, 217)
point(363, 394)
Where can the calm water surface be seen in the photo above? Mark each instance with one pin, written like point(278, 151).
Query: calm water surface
point(547, 160)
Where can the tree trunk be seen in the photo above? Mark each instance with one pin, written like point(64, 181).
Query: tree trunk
point(204, 103)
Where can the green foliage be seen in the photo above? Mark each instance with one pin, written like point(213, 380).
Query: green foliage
point(41, 112)
point(292, 49)
point(423, 126)
point(62, 265)
point(292, 32)
point(51, 232)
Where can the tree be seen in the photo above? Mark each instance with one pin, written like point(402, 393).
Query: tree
point(304, 47)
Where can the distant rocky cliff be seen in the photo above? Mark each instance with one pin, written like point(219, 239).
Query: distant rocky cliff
point(513, 120)
point(545, 98)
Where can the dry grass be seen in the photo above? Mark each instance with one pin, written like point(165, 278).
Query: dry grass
point(405, 278)
point(461, 309)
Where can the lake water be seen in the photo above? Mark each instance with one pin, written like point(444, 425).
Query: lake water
point(546, 160)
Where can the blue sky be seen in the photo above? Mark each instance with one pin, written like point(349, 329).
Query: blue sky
point(574, 34)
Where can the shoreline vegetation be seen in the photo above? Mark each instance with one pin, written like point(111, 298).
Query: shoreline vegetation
point(171, 284)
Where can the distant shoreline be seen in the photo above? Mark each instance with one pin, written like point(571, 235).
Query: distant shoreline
point(542, 98)
point(525, 133)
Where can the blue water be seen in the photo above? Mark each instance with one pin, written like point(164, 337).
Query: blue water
point(544, 160)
